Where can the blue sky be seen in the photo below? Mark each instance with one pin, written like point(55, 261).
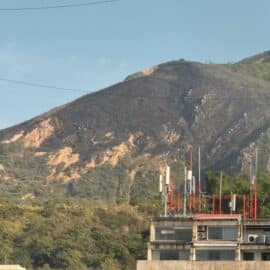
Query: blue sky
point(92, 47)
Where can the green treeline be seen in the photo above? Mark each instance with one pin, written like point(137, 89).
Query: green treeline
point(72, 235)
point(80, 234)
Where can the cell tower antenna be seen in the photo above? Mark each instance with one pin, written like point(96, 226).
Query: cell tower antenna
point(168, 175)
point(167, 183)
point(256, 163)
point(185, 193)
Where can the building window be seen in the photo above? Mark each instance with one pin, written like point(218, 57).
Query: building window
point(215, 255)
point(228, 233)
point(170, 255)
point(155, 255)
point(177, 234)
point(184, 255)
point(248, 256)
point(266, 256)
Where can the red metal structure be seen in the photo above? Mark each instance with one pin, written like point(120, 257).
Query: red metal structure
point(171, 207)
point(245, 205)
point(216, 204)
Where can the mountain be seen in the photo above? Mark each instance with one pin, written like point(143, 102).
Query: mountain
point(112, 144)
point(258, 58)
point(257, 66)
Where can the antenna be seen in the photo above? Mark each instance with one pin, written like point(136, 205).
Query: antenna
point(189, 172)
point(232, 203)
point(190, 162)
point(168, 175)
point(166, 189)
point(194, 185)
point(256, 162)
point(255, 183)
point(199, 170)
point(199, 179)
point(185, 193)
point(160, 183)
point(220, 193)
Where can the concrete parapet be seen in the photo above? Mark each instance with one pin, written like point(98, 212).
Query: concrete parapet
point(210, 265)
point(11, 267)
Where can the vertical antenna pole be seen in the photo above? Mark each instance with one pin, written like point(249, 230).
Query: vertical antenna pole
point(194, 185)
point(185, 194)
point(167, 183)
point(190, 181)
point(220, 193)
point(190, 196)
point(193, 199)
point(199, 179)
point(213, 204)
point(160, 183)
point(255, 183)
point(178, 202)
point(165, 200)
point(199, 169)
point(162, 189)
point(190, 161)
point(256, 162)
point(250, 192)
point(168, 175)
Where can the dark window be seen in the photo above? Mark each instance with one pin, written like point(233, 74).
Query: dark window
point(184, 234)
point(222, 233)
point(248, 256)
point(215, 233)
point(155, 255)
point(184, 255)
point(171, 255)
point(266, 256)
point(215, 255)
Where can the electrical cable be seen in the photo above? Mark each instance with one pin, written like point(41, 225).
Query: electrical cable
point(85, 4)
point(41, 85)
point(210, 97)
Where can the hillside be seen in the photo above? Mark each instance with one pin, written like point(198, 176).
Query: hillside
point(257, 66)
point(112, 144)
point(69, 235)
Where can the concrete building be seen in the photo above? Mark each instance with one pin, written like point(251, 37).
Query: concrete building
point(202, 231)
point(206, 237)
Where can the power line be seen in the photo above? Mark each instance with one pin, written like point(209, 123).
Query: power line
point(210, 97)
point(92, 3)
point(42, 85)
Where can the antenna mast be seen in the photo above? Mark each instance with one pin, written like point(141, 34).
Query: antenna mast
point(199, 170)
point(185, 193)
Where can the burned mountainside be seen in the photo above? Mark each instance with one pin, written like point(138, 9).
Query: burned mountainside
point(111, 145)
